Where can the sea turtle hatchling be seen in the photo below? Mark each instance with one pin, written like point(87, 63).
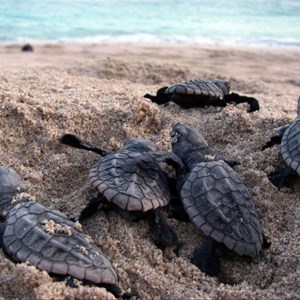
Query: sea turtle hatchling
point(47, 239)
point(199, 93)
point(132, 179)
point(288, 136)
point(216, 200)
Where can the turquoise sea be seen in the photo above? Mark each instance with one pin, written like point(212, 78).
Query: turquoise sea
point(263, 22)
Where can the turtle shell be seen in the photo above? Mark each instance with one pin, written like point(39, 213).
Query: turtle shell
point(290, 146)
point(46, 239)
point(131, 180)
point(219, 204)
point(196, 88)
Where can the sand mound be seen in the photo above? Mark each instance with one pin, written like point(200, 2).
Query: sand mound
point(103, 103)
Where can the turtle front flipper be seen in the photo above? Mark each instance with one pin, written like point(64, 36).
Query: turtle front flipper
point(275, 140)
point(282, 176)
point(277, 137)
point(75, 142)
point(169, 158)
point(163, 235)
point(231, 162)
point(160, 97)
point(233, 97)
point(207, 257)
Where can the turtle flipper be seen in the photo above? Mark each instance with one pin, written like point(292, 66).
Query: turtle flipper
point(275, 140)
point(91, 208)
point(177, 210)
point(266, 244)
point(207, 257)
point(2, 227)
point(277, 137)
point(231, 162)
point(189, 101)
point(233, 97)
point(282, 176)
point(169, 158)
point(74, 141)
point(117, 292)
point(163, 234)
point(160, 97)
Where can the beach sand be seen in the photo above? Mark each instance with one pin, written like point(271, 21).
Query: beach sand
point(96, 92)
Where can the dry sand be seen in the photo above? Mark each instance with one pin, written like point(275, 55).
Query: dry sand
point(96, 92)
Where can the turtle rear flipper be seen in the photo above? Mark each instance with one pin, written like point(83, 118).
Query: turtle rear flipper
point(282, 176)
point(75, 142)
point(91, 208)
point(233, 97)
point(207, 257)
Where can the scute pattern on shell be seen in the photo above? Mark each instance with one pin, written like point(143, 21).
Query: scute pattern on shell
point(290, 146)
point(131, 180)
point(196, 87)
point(219, 204)
point(25, 239)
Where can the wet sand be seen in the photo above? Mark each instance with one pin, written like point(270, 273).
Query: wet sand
point(96, 92)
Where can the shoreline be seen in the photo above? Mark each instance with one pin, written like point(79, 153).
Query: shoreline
point(57, 53)
point(11, 44)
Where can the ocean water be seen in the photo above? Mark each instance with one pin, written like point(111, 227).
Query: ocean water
point(263, 22)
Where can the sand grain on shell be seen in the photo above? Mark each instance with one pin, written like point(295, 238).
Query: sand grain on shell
point(96, 92)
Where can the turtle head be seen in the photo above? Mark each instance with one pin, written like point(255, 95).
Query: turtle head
point(10, 185)
point(185, 139)
point(223, 85)
point(139, 145)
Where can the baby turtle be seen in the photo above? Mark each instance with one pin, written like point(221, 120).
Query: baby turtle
point(289, 138)
point(199, 93)
point(27, 48)
point(47, 239)
point(216, 200)
point(132, 179)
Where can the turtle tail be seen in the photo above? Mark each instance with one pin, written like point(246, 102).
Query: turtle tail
point(75, 142)
point(233, 97)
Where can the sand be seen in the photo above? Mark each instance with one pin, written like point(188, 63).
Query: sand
point(96, 92)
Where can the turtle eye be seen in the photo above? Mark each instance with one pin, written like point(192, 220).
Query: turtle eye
point(175, 136)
